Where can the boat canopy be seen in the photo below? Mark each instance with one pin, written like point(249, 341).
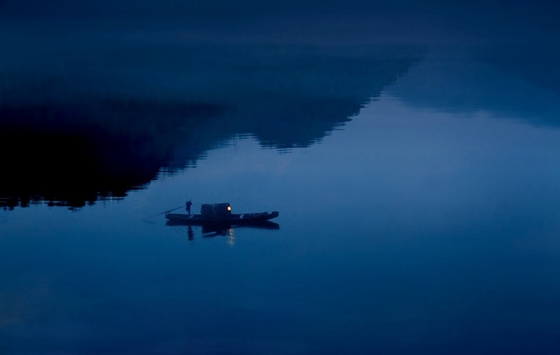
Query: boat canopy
point(216, 211)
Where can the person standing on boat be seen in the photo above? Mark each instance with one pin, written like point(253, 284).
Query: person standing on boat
point(189, 204)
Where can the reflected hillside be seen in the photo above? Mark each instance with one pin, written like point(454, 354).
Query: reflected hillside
point(294, 99)
point(73, 136)
point(99, 97)
point(74, 154)
point(514, 82)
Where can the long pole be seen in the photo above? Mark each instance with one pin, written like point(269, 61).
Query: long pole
point(173, 209)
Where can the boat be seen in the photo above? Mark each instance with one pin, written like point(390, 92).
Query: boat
point(220, 214)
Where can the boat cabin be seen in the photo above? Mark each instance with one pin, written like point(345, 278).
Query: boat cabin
point(216, 211)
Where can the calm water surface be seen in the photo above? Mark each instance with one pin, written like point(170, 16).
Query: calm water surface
point(408, 231)
point(417, 185)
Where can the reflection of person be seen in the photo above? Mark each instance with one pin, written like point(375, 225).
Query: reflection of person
point(190, 233)
point(189, 204)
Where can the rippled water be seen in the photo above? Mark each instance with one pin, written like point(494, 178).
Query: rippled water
point(417, 185)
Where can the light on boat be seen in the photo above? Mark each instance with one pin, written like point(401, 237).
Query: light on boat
point(229, 208)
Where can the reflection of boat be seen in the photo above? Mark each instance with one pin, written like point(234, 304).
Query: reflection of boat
point(220, 214)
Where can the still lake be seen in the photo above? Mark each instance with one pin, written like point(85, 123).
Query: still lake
point(418, 188)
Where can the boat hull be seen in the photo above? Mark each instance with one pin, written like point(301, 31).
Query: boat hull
point(234, 219)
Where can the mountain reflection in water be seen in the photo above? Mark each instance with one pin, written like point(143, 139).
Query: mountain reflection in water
point(99, 97)
point(67, 144)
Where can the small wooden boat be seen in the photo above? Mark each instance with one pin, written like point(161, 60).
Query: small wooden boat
point(220, 214)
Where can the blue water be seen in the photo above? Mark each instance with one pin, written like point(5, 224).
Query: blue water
point(417, 184)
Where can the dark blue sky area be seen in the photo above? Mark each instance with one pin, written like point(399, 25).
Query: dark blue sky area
point(248, 6)
point(493, 16)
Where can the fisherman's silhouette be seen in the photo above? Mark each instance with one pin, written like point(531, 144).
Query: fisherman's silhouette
point(188, 207)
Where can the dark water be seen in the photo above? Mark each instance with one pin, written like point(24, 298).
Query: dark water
point(412, 151)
